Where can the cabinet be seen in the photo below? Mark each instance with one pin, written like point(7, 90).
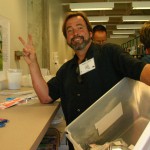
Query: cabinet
point(55, 138)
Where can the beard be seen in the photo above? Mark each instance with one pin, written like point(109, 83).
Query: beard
point(79, 44)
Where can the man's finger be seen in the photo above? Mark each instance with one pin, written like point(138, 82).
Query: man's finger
point(22, 41)
point(30, 39)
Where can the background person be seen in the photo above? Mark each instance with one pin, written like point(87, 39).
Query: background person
point(99, 34)
point(145, 39)
point(77, 85)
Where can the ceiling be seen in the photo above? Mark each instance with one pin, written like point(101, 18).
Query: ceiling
point(121, 8)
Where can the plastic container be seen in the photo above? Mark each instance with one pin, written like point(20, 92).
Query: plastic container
point(123, 112)
point(14, 77)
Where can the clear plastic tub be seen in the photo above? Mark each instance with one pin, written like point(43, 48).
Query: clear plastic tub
point(123, 112)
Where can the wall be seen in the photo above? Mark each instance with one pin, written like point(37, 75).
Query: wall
point(59, 51)
point(34, 21)
point(16, 12)
point(51, 48)
point(23, 16)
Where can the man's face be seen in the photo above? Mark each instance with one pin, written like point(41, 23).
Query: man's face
point(100, 37)
point(78, 35)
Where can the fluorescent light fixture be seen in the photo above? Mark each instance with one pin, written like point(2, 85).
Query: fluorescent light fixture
point(119, 36)
point(91, 6)
point(98, 19)
point(141, 5)
point(124, 32)
point(129, 26)
point(135, 18)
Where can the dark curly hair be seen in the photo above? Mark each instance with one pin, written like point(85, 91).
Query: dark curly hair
point(145, 34)
point(74, 14)
point(99, 28)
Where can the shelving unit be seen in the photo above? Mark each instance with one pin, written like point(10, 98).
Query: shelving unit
point(60, 124)
point(55, 137)
point(134, 47)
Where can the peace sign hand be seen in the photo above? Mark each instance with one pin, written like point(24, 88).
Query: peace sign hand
point(28, 50)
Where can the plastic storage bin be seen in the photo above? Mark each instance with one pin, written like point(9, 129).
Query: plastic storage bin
point(123, 112)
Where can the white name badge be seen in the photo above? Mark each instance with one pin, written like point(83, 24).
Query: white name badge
point(87, 66)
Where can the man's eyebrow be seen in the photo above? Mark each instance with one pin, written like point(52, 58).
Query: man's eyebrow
point(79, 24)
point(68, 27)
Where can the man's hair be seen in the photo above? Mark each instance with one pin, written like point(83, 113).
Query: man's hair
point(74, 14)
point(99, 28)
point(145, 34)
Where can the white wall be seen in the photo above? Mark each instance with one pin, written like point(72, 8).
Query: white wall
point(58, 47)
point(16, 12)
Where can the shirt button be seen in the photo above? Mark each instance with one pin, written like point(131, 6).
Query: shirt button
point(78, 110)
point(78, 94)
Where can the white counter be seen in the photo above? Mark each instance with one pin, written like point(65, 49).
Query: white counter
point(27, 124)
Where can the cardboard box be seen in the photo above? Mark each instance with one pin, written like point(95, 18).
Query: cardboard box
point(123, 112)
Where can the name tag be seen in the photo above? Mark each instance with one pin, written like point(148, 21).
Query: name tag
point(87, 66)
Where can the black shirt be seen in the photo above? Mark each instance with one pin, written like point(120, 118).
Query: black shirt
point(112, 64)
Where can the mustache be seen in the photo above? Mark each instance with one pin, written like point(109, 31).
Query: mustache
point(77, 37)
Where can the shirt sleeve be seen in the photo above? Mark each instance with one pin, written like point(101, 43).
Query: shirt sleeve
point(54, 85)
point(124, 63)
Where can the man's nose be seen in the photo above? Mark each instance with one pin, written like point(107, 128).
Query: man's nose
point(75, 31)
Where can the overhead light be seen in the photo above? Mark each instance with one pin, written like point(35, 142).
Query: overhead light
point(98, 19)
point(135, 18)
point(124, 32)
point(129, 26)
point(141, 5)
point(119, 36)
point(92, 6)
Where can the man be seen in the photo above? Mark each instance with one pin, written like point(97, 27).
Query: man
point(145, 39)
point(99, 34)
point(88, 75)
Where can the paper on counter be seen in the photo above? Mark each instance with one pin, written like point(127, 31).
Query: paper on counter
point(8, 104)
point(17, 100)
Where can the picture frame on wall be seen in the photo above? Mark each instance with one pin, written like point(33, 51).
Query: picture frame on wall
point(4, 43)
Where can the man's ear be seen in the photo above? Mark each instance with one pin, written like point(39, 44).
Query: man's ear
point(91, 35)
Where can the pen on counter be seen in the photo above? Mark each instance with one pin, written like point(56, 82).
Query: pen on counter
point(2, 120)
point(10, 98)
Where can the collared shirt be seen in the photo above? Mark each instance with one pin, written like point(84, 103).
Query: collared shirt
point(112, 64)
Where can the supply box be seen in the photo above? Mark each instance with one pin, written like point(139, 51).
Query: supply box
point(122, 113)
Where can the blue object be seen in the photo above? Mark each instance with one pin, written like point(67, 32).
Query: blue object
point(2, 125)
point(9, 98)
point(3, 122)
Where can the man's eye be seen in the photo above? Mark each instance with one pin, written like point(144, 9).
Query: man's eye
point(80, 27)
point(69, 31)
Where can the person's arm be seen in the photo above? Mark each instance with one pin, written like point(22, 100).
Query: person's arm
point(145, 74)
point(39, 84)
